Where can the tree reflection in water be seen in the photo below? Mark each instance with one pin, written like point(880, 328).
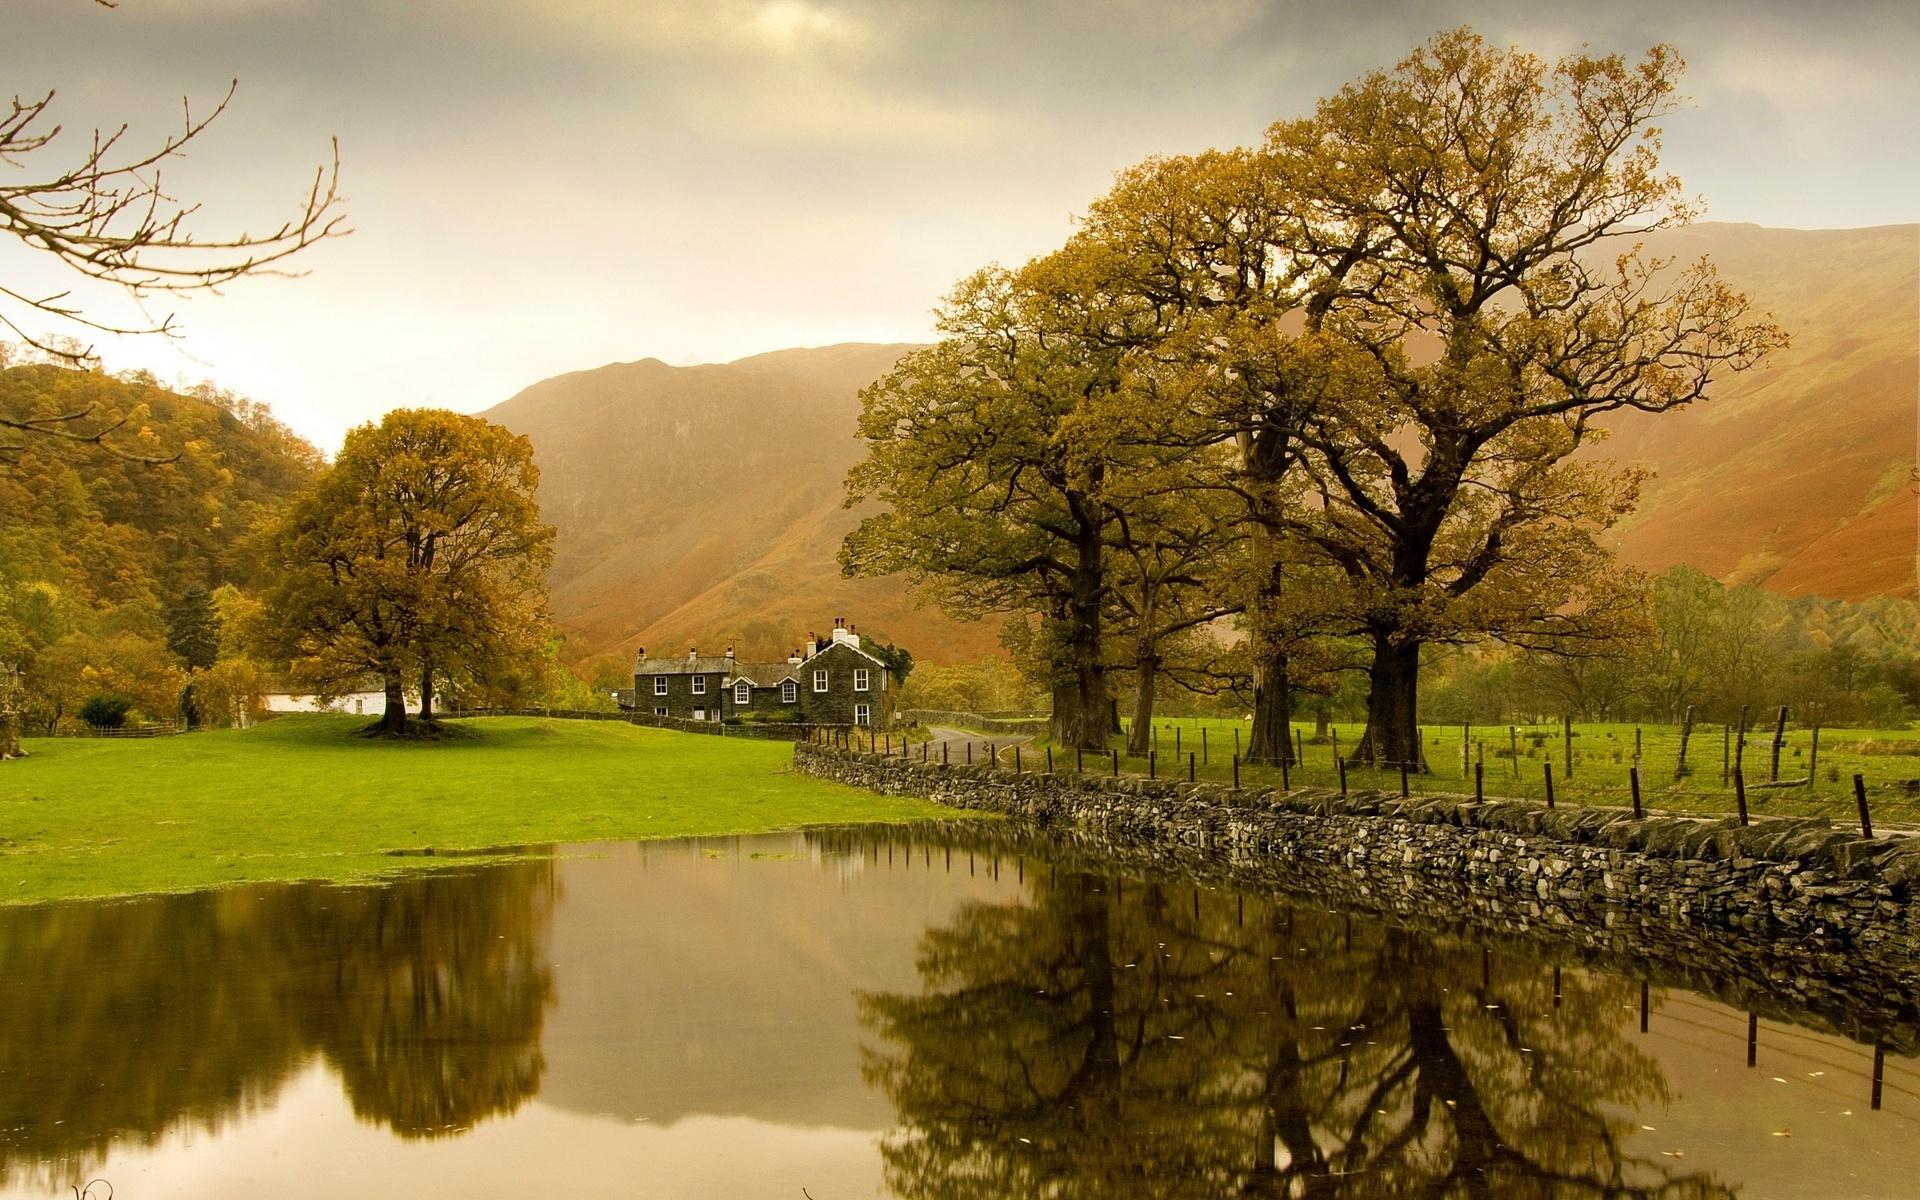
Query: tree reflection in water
point(127, 1020)
point(1136, 1039)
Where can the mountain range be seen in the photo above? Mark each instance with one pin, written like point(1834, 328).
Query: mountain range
point(703, 504)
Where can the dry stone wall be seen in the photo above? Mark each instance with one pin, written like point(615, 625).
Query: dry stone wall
point(1798, 903)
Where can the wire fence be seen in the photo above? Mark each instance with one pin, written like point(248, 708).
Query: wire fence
point(1531, 768)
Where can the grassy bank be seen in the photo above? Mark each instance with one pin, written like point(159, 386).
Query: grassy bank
point(1602, 754)
point(302, 798)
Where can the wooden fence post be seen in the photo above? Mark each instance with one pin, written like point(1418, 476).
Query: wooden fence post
point(1566, 735)
point(1740, 793)
point(1779, 740)
point(1860, 797)
point(1286, 785)
point(1191, 756)
point(1299, 747)
point(1740, 741)
point(1203, 744)
point(1016, 758)
point(1479, 781)
point(1513, 751)
point(1152, 764)
point(1547, 767)
point(1341, 765)
point(1633, 781)
point(1686, 732)
point(1236, 772)
point(1813, 757)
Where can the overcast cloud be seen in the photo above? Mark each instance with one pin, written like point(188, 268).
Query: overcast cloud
point(539, 186)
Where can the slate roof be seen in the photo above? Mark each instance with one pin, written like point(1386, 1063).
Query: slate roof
point(767, 675)
point(714, 664)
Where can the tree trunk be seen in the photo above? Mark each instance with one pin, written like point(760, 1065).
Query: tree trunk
point(1146, 666)
point(1322, 719)
point(1272, 740)
point(9, 735)
point(1393, 733)
point(393, 721)
point(1081, 703)
point(426, 695)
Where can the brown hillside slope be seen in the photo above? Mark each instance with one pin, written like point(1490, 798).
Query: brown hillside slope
point(703, 503)
point(1797, 476)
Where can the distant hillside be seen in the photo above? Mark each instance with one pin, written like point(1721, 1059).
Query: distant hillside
point(703, 503)
point(1799, 476)
point(104, 542)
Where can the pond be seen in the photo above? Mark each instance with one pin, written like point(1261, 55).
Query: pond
point(935, 1012)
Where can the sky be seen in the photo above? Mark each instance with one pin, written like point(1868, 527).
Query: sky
point(543, 186)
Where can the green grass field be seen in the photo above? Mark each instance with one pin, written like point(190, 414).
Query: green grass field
point(1602, 755)
point(302, 798)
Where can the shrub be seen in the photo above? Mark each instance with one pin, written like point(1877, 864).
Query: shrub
point(107, 711)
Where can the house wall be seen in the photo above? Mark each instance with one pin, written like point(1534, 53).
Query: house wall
point(766, 705)
point(835, 706)
point(680, 700)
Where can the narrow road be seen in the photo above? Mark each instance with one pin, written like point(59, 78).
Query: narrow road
point(985, 745)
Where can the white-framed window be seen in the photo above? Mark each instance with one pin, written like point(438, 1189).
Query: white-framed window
point(789, 692)
point(883, 681)
point(862, 714)
point(819, 681)
point(699, 714)
point(699, 685)
point(660, 712)
point(659, 685)
point(743, 692)
point(860, 679)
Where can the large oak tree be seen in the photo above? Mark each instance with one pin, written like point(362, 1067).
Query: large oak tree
point(416, 558)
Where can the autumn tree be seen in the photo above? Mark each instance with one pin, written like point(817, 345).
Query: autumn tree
point(416, 558)
point(992, 505)
point(1171, 546)
point(1472, 214)
point(1185, 264)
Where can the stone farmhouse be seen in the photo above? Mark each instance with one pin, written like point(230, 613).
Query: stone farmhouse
point(831, 682)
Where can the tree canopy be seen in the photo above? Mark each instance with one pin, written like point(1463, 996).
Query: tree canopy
point(415, 559)
point(1372, 346)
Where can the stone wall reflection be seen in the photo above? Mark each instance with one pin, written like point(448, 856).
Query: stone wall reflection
point(127, 1020)
point(1126, 1039)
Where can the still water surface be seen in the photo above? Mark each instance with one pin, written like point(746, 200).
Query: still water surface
point(880, 1014)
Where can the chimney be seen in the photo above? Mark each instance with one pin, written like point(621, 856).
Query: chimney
point(813, 644)
point(692, 653)
point(729, 652)
point(639, 654)
point(794, 658)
